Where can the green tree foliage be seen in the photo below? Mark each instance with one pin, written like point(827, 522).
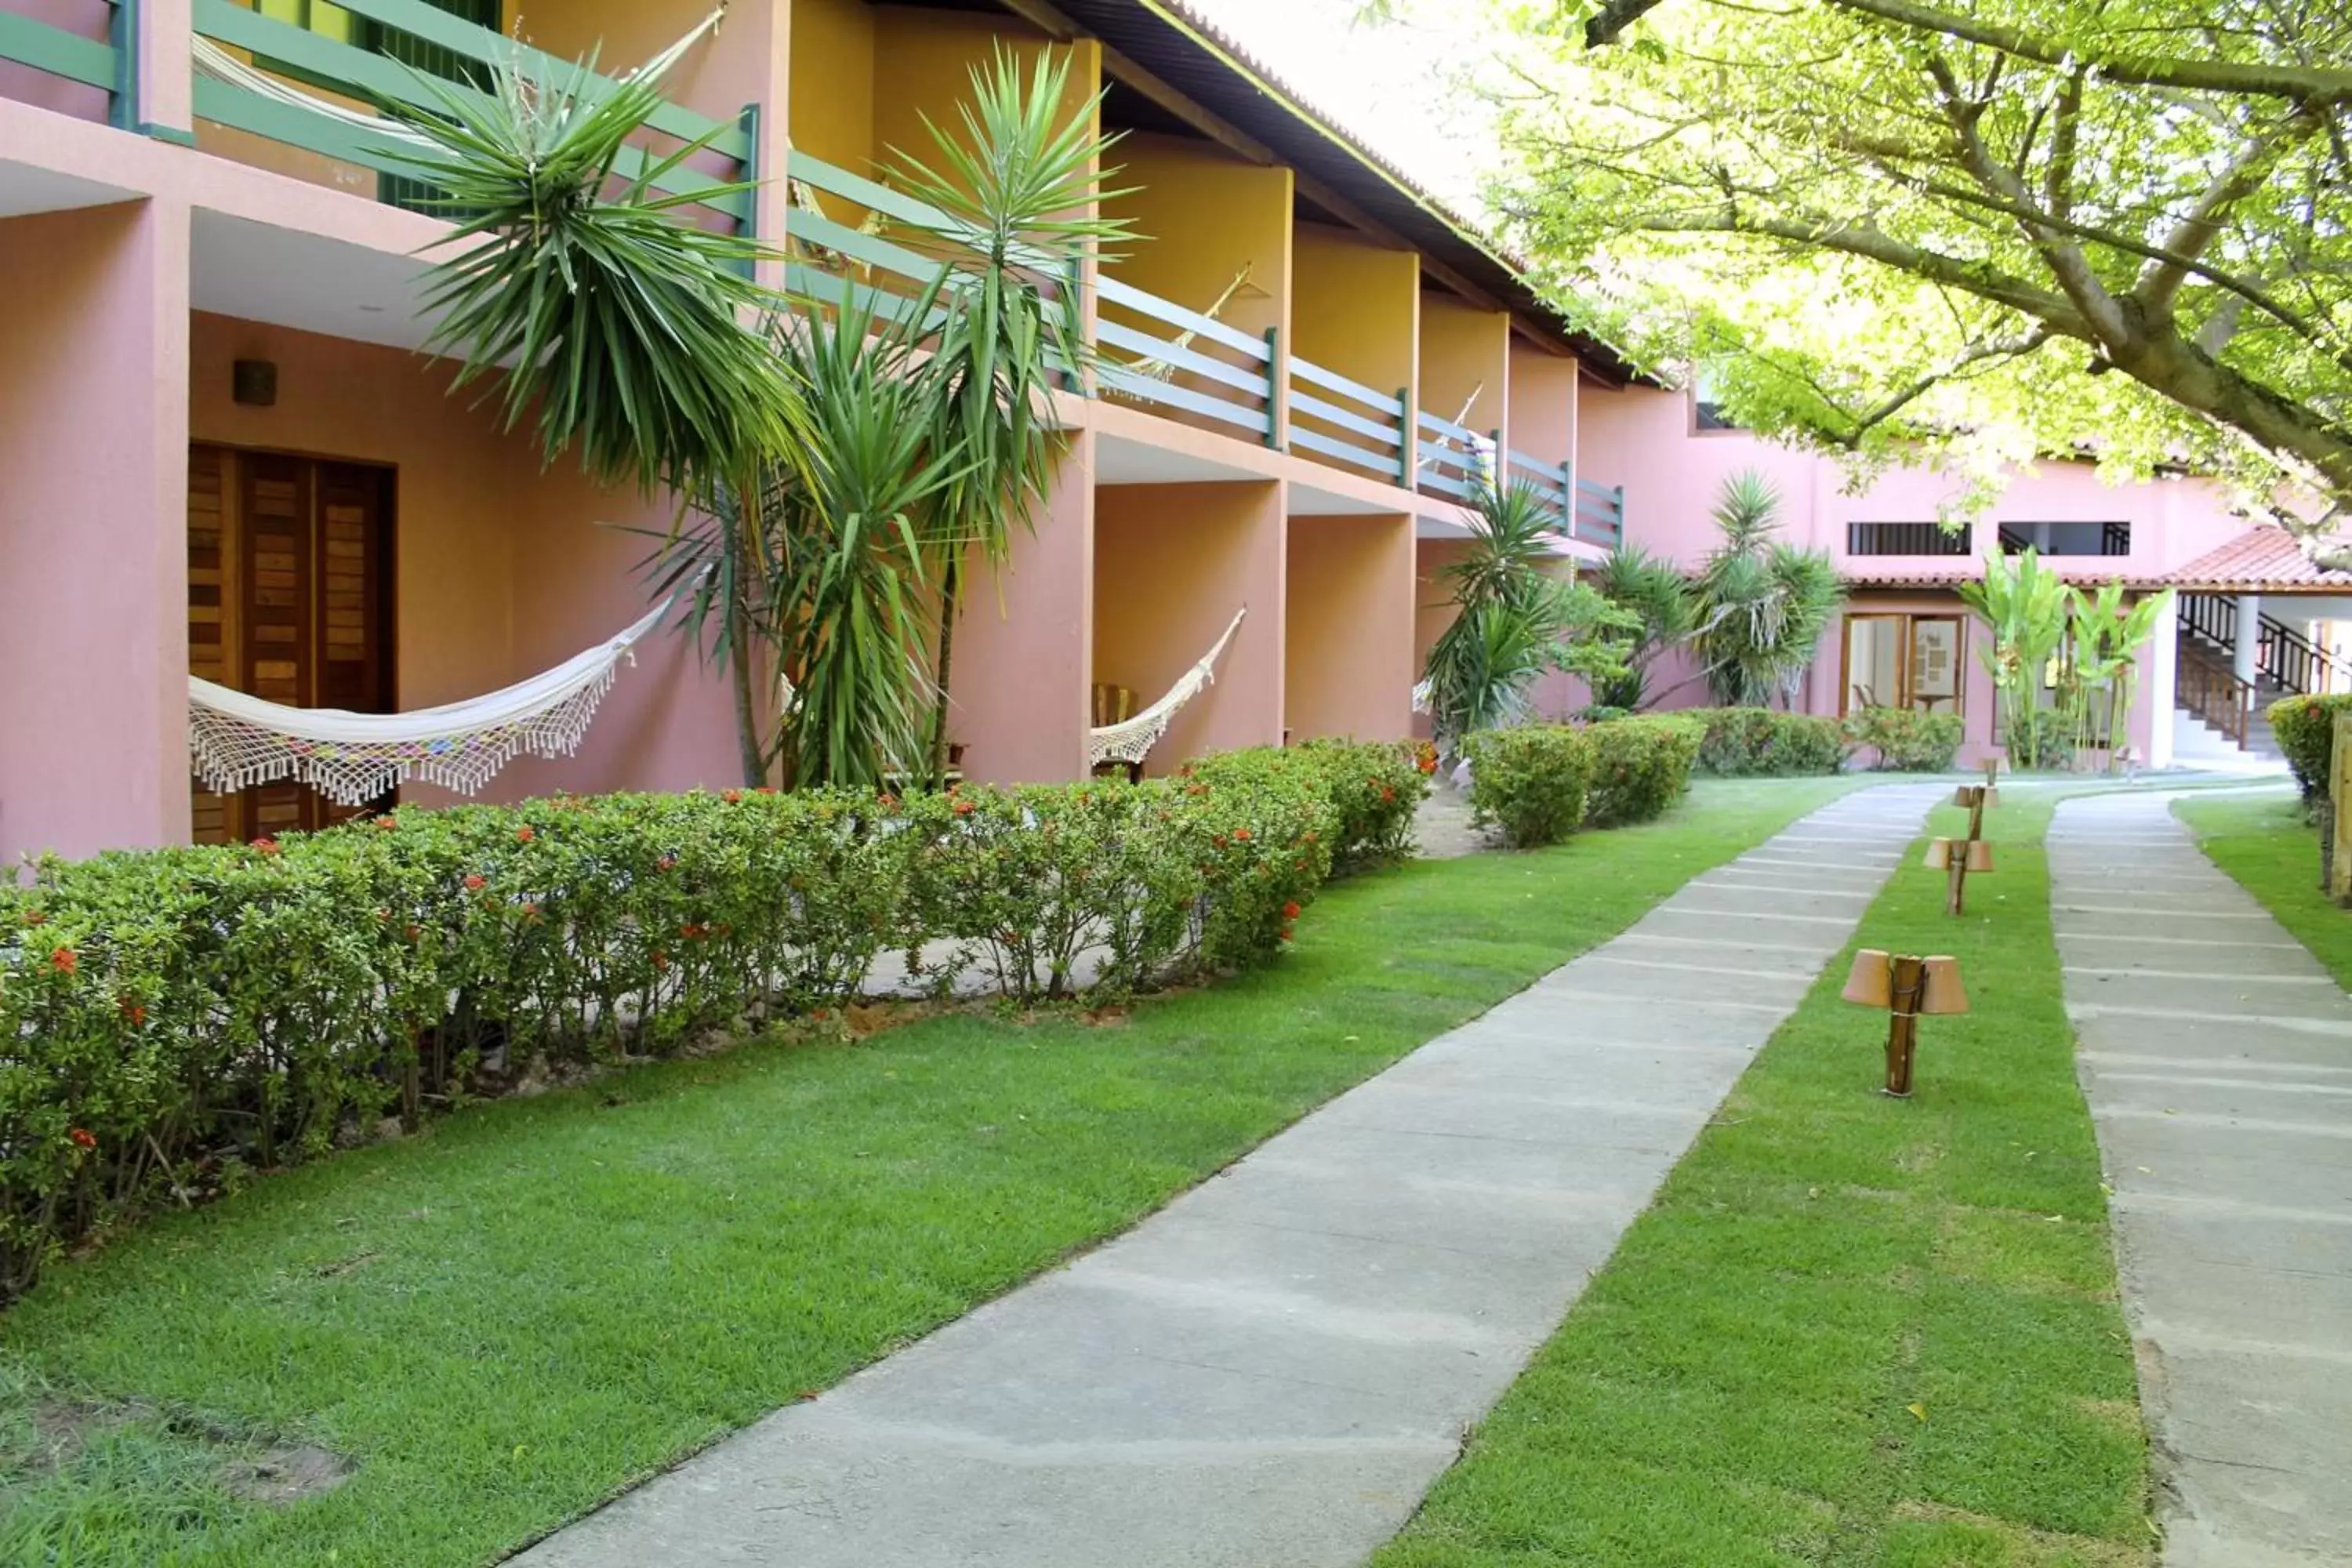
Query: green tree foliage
point(1763, 603)
point(1516, 618)
point(2001, 227)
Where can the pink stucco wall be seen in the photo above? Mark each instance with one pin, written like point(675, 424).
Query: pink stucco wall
point(502, 571)
point(1348, 643)
point(94, 535)
point(1024, 642)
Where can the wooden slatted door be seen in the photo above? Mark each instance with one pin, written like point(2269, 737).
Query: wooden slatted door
point(287, 600)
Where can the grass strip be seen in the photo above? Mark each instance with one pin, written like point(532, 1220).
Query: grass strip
point(509, 1318)
point(1850, 1330)
point(2267, 844)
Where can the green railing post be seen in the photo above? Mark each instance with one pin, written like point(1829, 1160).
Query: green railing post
point(1407, 423)
point(747, 223)
point(1277, 388)
point(124, 32)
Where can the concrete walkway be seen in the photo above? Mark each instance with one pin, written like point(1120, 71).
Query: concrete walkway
point(2216, 1055)
point(1270, 1371)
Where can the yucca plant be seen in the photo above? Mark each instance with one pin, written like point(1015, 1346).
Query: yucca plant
point(630, 338)
point(1516, 617)
point(1763, 603)
point(1657, 594)
point(1019, 180)
point(2025, 608)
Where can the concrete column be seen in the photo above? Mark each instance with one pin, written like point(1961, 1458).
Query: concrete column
point(2250, 628)
point(93, 530)
point(1024, 642)
point(2152, 706)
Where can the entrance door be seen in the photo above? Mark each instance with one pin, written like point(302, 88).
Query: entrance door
point(289, 599)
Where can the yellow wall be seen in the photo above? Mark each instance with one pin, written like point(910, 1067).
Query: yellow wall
point(1348, 634)
point(1463, 348)
point(1172, 562)
point(1543, 403)
point(923, 61)
point(833, 82)
point(1355, 308)
point(1203, 214)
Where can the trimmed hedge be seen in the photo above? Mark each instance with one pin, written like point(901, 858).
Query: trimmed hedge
point(1906, 739)
point(2305, 728)
point(173, 1018)
point(1541, 783)
point(1529, 781)
point(1640, 766)
point(1744, 743)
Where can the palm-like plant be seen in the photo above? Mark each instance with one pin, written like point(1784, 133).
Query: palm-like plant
point(2103, 637)
point(630, 338)
point(1763, 603)
point(1513, 619)
point(1657, 594)
point(1019, 184)
point(2025, 607)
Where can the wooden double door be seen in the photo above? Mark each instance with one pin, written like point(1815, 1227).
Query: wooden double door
point(289, 577)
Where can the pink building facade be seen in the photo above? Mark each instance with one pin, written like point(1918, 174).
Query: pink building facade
point(221, 452)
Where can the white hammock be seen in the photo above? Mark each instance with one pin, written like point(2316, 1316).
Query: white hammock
point(237, 740)
point(1131, 740)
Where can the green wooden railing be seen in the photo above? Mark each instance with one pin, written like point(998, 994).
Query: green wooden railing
point(314, 61)
point(1600, 515)
point(1454, 460)
point(106, 63)
point(1207, 368)
point(1366, 431)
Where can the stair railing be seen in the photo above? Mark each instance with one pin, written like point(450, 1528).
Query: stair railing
point(2280, 653)
point(2214, 693)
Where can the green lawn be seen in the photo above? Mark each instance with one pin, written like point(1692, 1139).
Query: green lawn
point(2264, 842)
point(511, 1318)
point(1852, 1331)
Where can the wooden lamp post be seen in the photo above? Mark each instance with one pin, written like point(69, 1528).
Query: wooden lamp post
point(1958, 857)
point(1907, 986)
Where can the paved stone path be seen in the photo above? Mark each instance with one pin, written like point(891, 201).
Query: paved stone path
point(1270, 1371)
point(2216, 1055)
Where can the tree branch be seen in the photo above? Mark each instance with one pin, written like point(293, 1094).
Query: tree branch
point(2159, 281)
point(2012, 348)
point(2312, 86)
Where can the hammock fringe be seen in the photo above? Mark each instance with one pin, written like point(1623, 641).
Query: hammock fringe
point(1131, 740)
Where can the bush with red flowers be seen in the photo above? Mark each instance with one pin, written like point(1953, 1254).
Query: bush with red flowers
point(178, 1016)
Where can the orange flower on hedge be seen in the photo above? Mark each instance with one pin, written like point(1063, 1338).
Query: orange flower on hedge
point(83, 1138)
point(766, 789)
point(387, 823)
point(962, 808)
point(1241, 835)
point(63, 959)
point(415, 931)
point(524, 835)
point(35, 917)
point(732, 796)
point(474, 882)
point(1290, 911)
point(661, 959)
point(133, 1011)
point(887, 802)
point(1286, 933)
point(665, 863)
point(1387, 795)
point(267, 845)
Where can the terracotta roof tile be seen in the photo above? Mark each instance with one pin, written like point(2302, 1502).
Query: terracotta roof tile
point(2259, 559)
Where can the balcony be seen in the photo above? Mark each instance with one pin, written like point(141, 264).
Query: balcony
point(73, 58)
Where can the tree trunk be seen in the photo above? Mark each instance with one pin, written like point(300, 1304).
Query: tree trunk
point(949, 592)
point(746, 572)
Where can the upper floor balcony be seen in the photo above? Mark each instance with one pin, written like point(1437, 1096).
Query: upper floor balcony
point(1246, 307)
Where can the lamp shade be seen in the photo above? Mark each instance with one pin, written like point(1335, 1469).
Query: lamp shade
point(1980, 855)
point(1871, 981)
point(1939, 856)
point(1944, 993)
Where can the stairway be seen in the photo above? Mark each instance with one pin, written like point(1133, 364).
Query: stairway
point(2212, 699)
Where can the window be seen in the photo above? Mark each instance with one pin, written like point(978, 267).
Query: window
point(1707, 406)
point(2067, 538)
point(1903, 661)
point(1906, 539)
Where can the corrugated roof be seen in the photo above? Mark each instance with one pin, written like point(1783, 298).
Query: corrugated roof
point(1191, 53)
point(2260, 560)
